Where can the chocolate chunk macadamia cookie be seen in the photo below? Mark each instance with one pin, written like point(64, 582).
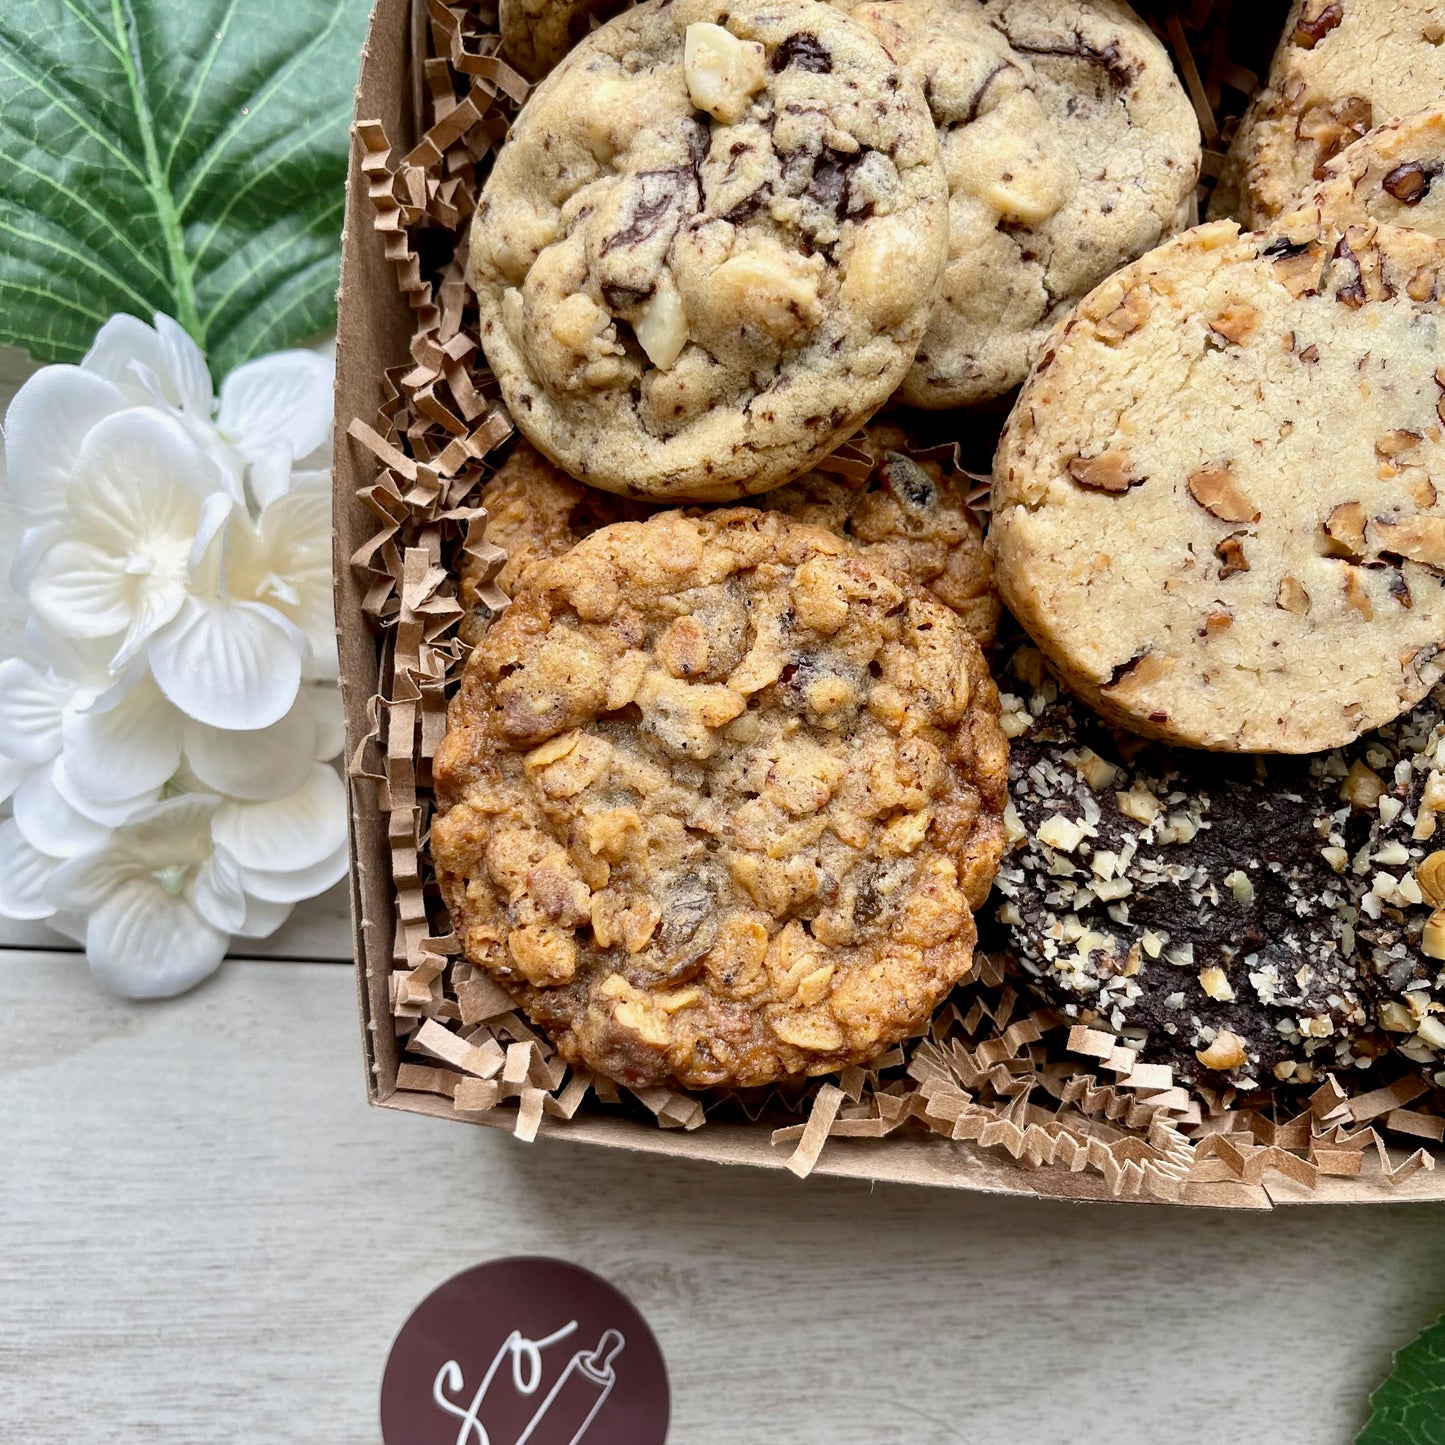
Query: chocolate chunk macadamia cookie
point(1342, 68)
point(1215, 504)
point(1070, 149)
point(710, 247)
point(720, 797)
point(1193, 905)
point(907, 515)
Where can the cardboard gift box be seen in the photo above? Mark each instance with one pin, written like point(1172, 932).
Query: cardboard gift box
point(1087, 1122)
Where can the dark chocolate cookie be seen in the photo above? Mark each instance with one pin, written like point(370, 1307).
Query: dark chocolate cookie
point(1197, 906)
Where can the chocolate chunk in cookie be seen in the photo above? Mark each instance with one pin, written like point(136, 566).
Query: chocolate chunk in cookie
point(1215, 504)
point(1197, 907)
point(719, 799)
point(709, 249)
point(1070, 149)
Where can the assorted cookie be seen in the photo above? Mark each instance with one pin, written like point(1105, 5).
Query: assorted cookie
point(1070, 149)
point(1342, 68)
point(721, 797)
point(1213, 505)
point(724, 788)
point(1190, 904)
point(905, 513)
point(710, 247)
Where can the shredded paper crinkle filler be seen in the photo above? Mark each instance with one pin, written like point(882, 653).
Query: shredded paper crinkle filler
point(1044, 1091)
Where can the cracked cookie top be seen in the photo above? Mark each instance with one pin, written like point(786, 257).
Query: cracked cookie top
point(710, 247)
point(1198, 907)
point(910, 516)
point(1213, 504)
point(1070, 148)
point(1342, 67)
point(720, 797)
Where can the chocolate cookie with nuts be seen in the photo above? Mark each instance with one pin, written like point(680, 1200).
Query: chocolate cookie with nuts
point(1398, 784)
point(1342, 68)
point(1214, 505)
point(1194, 906)
point(909, 515)
point(720, 797)
point(1070, 149)
point(710, 246)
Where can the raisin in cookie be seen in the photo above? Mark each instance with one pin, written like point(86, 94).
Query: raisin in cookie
point(1190, 904)
point(1342, 67)
point(908, 515)
point(1391, 175)
point(720, 798)
point(1070, 149)
point(1213, 506)
point(710, 247)
point(1397, 780)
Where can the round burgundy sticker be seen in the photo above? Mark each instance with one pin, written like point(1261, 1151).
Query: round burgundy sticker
point(525, 1352)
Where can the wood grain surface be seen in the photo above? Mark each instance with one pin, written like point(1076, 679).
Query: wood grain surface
point(205, 1235)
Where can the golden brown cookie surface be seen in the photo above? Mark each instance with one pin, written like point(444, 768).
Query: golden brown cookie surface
point(1214, 506)
point(1342, 68)
point(721, 797)
point(909, 515)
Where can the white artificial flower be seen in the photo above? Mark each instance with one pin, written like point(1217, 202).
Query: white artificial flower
point(165, 748)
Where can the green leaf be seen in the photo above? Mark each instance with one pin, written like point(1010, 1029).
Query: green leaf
point(1409, 1408)
point(185, 156)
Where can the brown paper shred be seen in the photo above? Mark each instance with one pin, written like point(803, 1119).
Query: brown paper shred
point(1365, 1107)
point(826, 1103)
point(1411, 1121)
point(418, 1078)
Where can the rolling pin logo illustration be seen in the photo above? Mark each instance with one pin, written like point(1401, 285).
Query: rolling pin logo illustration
point(568, 1408)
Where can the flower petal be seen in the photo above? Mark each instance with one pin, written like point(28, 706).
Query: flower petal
point(330, 720)
point(24, 872)
point(263, 918)
point(295, 832)
point(82, 591)
point(284, 399)
point(144, 471)
point(12, 774)
point(259, 765)
point(231, 665)
point(31, 705)
point(108, 812)
point(294, 536)
point(123, 747)
point(144, 943)
point(163, 363)
point(297, 884)
point(46, 422)
point(216, 893)
point(49, 823)
point(175, 831)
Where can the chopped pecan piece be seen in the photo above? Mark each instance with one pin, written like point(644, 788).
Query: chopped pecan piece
point(1231, 555)
point(1236, 323)
point(1107, 472)
point(1215, 489)
point(1409, 183)
point(1292, 597)
point(1420, 539)
point(1345, 531)
point(1316, 22)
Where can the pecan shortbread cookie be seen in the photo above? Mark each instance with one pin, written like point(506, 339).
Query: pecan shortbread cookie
point(1070, 148)
point(720, 798)
point(1193, 905)
point(908, 515)
point(710, 247)
point(1342, 68)
point(1391, 175)
point(1213, 504)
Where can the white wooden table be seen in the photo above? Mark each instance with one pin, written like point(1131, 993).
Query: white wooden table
point(206, 1236)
